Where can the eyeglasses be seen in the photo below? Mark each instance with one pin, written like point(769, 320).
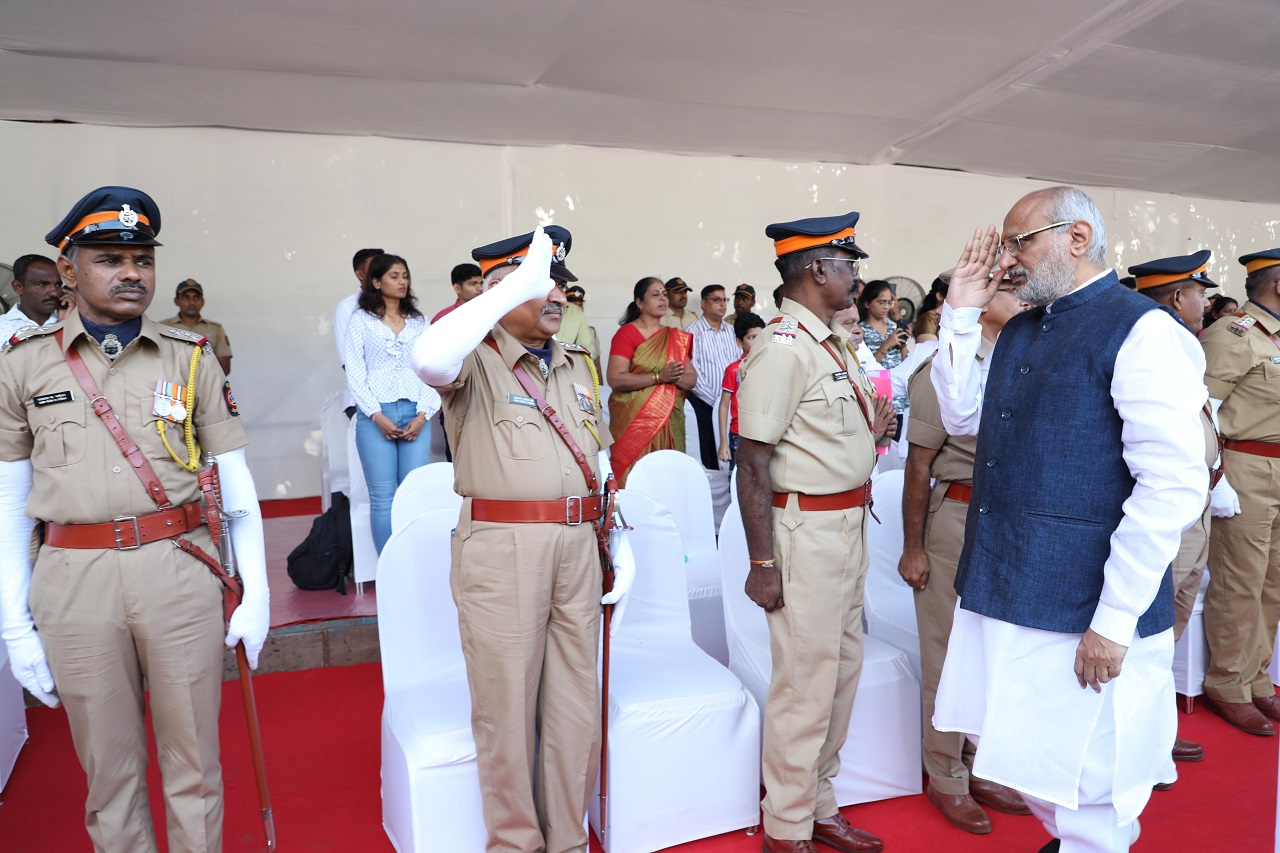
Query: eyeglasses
point(853, 264)
point(1015, 243)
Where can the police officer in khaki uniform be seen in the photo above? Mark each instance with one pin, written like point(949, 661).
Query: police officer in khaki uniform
point(526, 569)
point(111, 600)
point(189, 297)
point(1181, 284)
point(1242, 606)
point(933, 536)
point(808, 432)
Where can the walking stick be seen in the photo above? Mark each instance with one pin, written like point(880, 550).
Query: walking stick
point(255, 746)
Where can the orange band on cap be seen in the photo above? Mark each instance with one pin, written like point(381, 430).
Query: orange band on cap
point(94, 219)
point(803, 241)
point(1260, 264)
point(489, 263)
point(1142, 282)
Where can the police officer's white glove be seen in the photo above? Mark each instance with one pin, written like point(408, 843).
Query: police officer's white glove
point(1223, 500)
point(251, 620)
point(624, 575)
point(439, 352)
point(26, 653)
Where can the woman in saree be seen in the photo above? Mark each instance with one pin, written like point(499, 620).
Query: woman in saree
point(650, 373)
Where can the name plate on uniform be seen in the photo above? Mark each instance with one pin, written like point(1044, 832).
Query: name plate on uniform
point(522, 401)
point(50, 399)
point(842, 374)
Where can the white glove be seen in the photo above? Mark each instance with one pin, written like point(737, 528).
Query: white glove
point(251, 620)
point(439, 352)
point(1223, 500)
point(624, 575)
point(26, 654)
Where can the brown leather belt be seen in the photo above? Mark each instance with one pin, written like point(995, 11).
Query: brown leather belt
point(860, 496)
point(571, 510)
point(1257, 448)
point(127, 532)
point(959, 492)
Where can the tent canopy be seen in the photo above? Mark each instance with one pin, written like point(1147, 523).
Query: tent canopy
point(1176, 96)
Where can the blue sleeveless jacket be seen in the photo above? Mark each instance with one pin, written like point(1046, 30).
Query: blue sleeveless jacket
point(1049, 478)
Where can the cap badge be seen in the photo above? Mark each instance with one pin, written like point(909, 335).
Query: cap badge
point(559, 254)
point(128, 216)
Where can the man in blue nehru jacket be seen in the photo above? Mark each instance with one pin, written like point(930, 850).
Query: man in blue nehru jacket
point(1090, 464)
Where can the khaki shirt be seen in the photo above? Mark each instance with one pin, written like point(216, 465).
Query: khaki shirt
point(574, 329)
point(792, 395)
point(670, 319)
point(503, 447)
point(79, 474)
point(954, 462)
point(213, 331)
point(1243, 371)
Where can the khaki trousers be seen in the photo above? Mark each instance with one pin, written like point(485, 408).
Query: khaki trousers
point(109, 619)
point(948, 756)
point(528, 599)
point(1188, 570)
point(816, 644)
point(1242, 606)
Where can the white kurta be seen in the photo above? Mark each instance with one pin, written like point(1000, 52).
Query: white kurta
point(1015, 687)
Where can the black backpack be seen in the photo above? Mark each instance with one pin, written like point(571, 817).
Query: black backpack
point(324, 559)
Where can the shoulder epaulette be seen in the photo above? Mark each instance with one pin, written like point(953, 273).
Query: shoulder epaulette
point(184, 335)
point(1241, 324)
point(27, 333)
point(574, 348)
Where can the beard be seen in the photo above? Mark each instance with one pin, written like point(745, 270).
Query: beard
point(1052, 279)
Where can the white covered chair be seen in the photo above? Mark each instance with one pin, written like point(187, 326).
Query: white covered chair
point(430, 788)
point(888, 602)
point(684, 735)
point(881, 756)
point(1191, 653)
point(333, 448)
point(426, 488)
point(678, 482)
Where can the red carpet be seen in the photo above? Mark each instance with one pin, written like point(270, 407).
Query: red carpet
point(321, 733)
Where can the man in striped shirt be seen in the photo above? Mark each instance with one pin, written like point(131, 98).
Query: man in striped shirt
point(715, 347)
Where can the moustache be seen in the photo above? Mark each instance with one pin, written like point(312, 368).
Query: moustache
point(121, 288)
point(551, 309)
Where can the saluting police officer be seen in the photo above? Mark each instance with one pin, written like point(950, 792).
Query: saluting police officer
point(1242, 606)
point(1180, 284)
point(111, 600)
point(526, 572)
point(808, 431)
point(933, 536)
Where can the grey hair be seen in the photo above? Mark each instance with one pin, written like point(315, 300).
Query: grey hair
point(1073, 204)
point(72, 254)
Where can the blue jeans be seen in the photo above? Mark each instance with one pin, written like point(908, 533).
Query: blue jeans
point(387, 462)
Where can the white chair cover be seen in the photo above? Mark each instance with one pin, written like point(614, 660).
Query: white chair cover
point(881, 756)
point(430, 790)
point(678, 482)
point(364, 552)
point(684, 736)
point(333, 448)
point(428, 487)
point(887, 603)
point(1191, 652)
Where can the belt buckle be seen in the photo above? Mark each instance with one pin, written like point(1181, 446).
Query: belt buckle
point(568, 511)
point(137, 533)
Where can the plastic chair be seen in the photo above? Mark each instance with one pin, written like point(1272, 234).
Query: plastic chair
point(430, 788)
point(333, 448)
point(888, 603)
point(364, 552)
point(684, 735)
point(881, 756)
point(678, 482)
point(426, 488)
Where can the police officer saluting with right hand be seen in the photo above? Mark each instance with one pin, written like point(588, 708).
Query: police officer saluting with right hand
point(112, 599)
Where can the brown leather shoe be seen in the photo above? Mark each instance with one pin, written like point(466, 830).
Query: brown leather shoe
point(1269, 705)
point(993, 795)
point(1162, 786)
point(1243, 716)
point(779, 845)
point(836, 832)
point(961, 811)
point(1186, 750)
